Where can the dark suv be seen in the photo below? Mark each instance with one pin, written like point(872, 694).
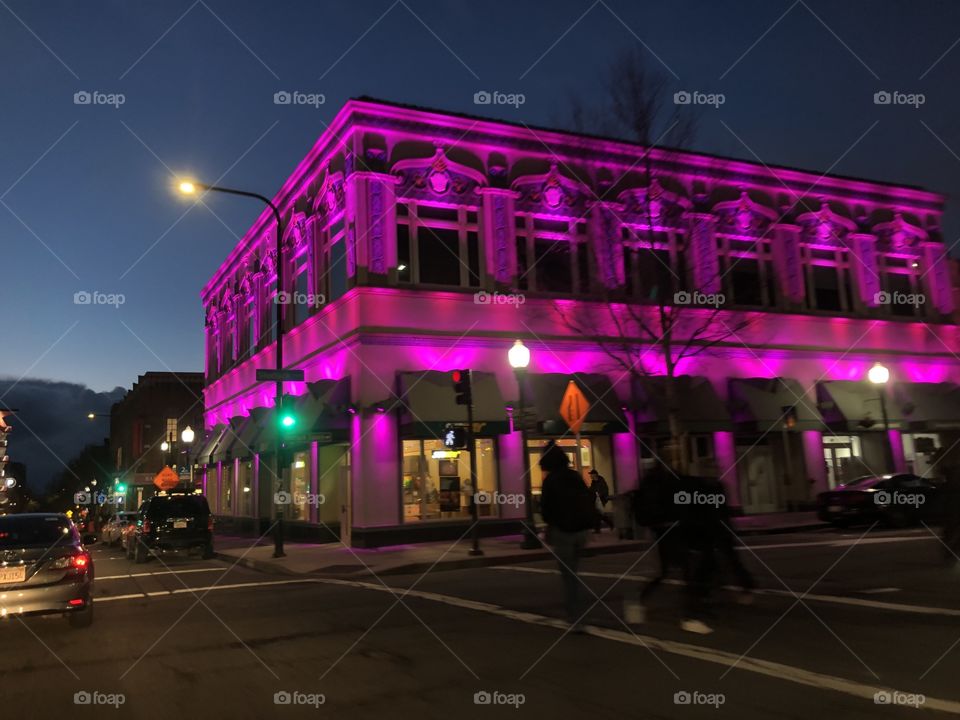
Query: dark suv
point(172, 521)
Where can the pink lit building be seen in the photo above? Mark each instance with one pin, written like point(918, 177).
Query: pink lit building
point(418, 242)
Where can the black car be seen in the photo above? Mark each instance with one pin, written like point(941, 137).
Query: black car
point(894, 500)
point(45, 568)
point(169, 522)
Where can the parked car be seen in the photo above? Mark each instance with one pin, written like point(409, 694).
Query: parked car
point(127, 534)
point(894, 500)
point(45, 568)
point(170, 522)
point(113, 531)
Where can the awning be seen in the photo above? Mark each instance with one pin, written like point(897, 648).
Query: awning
point(763, 405)
point(228, 448)
point(208, 445)
point(246, 443)
point(321, 417)
point(428, 402)
point(928, 406)
point(698, 407)
point(543, 393)
point(854, 406)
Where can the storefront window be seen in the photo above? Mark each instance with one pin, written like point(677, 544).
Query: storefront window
point(299, 487)
point(535, 449)
point(226, 488)
point(245, 489)
point(436, 482)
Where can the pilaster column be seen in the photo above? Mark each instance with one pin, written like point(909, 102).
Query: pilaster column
point(787, 262)
point(499, 236)
point(866, 268)
point(372, 216)
point(703, 247)
point(607, 243)
point(936, 277)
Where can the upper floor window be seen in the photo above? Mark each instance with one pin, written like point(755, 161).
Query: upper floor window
point(438, 245)
point(746, 266)
point(331, 264)
point(901, 280)
point(828, 279)
point(553, 255)
point(654, 264)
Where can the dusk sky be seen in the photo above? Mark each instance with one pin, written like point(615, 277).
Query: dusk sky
point(85, 194)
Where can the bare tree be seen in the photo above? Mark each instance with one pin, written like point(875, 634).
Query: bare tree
point(637, 104)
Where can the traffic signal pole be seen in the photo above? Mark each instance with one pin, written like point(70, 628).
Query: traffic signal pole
point(475, 532)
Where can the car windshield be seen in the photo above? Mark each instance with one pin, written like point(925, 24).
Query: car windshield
point(18, 531)
point(179, 505)
point(863, 482)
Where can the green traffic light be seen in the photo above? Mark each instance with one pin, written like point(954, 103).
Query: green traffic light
point(288, 421)
point(121, 488)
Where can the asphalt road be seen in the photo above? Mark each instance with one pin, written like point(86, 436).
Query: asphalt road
point(840, 617)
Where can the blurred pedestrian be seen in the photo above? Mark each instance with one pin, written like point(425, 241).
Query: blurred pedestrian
point(601, 491)
point(569, 510)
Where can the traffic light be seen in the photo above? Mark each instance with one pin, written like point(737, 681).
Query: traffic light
point(120, 488)
point(461, 385)
point(288, 418)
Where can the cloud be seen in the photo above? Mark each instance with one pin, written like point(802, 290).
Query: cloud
point(51, 426)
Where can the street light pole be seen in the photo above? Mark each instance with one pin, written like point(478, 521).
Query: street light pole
point(519, 358)
point(190, 188)
point(879, 375)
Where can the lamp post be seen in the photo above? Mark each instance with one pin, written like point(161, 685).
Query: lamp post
point(519, 358)
point(187, 437)
point(190, 188)
point(879, 375)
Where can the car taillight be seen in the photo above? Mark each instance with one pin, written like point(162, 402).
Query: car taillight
point(146, 526)
point(81, 562)
point(210, 523)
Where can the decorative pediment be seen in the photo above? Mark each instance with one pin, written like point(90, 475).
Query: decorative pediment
point(436, 177)
point(900, 236)
point(330, 197)
point(744, 216)
point(551, 193)
point(825, 227)
point(653, 205)
point(295, 234)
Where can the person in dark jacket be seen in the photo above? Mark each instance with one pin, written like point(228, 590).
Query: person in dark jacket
point(601, 491)
point(568, 508)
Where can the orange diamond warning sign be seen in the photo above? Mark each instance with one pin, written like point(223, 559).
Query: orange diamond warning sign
point(574, 406)
point(167, 479)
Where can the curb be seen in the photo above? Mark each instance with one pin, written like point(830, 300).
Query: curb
point(517, 558)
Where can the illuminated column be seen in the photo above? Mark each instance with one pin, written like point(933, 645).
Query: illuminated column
point(372, 215)
point(866, 268)
point(936, 277)
point(895, 438)
point(607, 244)
point(703, 245)
point(376, 469)
point(814, 462)
point(510, 471)
point(787, 262)
point(725, 452)
point(499, 235)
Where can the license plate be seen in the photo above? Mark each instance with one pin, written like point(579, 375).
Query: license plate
point(13, 574)
point(177, 524)
point(835, 508)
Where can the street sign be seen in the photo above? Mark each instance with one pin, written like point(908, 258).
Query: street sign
point(166, 479)
point(574, 407)
point(268, 375)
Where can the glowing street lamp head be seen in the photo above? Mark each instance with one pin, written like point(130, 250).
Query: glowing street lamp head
point(187, 187)
point(91, 415)
point(164, 446)
point(187, 435)
point(878, 374)
point(519, 355)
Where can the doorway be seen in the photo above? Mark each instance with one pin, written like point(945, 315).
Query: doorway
point(758, 491)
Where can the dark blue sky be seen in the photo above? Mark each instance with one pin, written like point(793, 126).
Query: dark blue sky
point(95, 208)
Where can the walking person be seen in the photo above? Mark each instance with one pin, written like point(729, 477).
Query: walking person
point(601, 491)
point(569, 510)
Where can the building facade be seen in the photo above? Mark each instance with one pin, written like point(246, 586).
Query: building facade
point(156, 410)
point(416, 242)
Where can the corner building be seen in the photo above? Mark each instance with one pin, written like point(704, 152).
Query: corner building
point(419, 241)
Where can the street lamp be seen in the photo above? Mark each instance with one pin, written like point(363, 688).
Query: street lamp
point(519, 358)
point(164, 446)
point(191, 187)
point(187, 437)
point(879, 375)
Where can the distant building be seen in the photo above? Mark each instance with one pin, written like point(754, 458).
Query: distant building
point(157, 409)
point(417, 242)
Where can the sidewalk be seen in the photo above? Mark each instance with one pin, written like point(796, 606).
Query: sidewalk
point(336, 560)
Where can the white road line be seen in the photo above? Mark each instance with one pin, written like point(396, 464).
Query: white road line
point(159, 572)
point(108, 598)
point(775, 670)
point(835, 599)
point(838, 543)
point(879, 591)
point(205, 588)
